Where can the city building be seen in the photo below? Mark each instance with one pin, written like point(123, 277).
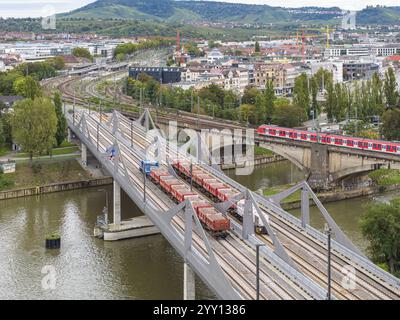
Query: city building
point(335, 67)
point(355, 70)
point(160, 74)
point(214, 56)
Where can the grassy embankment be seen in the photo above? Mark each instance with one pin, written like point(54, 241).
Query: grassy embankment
point(42, 172)
point(385, 177)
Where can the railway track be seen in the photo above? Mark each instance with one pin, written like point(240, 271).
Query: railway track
point(239, 270)
point(310, 255)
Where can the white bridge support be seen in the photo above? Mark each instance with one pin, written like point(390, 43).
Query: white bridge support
point(117, 204)
point(84, 154)
point(188, 283)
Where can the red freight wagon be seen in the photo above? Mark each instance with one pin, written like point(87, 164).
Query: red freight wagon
point(200, 204)
point(183, 164)
point(217, 222)
point(183, 194)
point(166, 182)
point(207, 182)
point(213, 187)
point(227, 194)
point(224, 194)
point(174, 189)
point(197, 172)
point(203, 212)
point(155, 174)
point(198, 178)
point(185, 169)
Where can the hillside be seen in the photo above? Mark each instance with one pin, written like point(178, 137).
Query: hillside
point(384, 15)
point(178, 11)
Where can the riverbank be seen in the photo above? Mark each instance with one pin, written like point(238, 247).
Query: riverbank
point(257, 161)
point(55, 187)
point(43, 172)
point(294, 202)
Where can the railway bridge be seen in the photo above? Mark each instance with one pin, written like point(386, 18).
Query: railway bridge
point(293, 261)
point(324, 165)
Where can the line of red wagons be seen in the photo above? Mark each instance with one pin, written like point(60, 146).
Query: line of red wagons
point(213, 221)
point(330, 139)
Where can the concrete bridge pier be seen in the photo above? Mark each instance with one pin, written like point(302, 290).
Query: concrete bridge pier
point(188, 283)
point(319, 178)
point(69, 135)
point(84, 154)
point(117, 204)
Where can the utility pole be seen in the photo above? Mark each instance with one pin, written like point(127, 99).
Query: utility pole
point(198, 112)
point(356, 120)
point(144, 185)
point(328, 232)
point(131, 134)
point(191, 175)
point(258, 245)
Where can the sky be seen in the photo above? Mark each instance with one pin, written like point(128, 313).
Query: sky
point(37, 8)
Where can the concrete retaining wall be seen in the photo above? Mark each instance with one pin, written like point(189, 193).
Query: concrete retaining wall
point(55, 187)
point(258, 160)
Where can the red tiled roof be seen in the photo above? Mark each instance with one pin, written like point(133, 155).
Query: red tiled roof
point(394, 58)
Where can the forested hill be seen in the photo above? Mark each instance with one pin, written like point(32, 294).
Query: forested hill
point(178, 11)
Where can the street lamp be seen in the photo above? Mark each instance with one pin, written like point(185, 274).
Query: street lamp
point(258, 245)
point(328, 232)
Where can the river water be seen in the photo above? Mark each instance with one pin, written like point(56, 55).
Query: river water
point(89, 268)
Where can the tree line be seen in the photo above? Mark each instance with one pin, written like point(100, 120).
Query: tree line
point(125, 49)
point(254, 106)
point(24, 79)
point(361, 100)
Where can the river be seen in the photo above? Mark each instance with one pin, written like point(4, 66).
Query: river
point(89, 268)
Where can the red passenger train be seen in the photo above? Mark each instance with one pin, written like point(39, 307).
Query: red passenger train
point(330, 139)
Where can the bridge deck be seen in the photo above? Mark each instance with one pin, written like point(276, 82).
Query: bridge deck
point(236, 256)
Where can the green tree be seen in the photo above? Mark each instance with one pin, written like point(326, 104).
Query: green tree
point(287, 115)
point(391, 124)
point(257, 48)
point(57, 62)
point(314, 93)
point(390, 88)
point(269, 100)
point(380, 225)
point(61, 132)
point(2, 135)
point(301, 93)
point(34, 125)
point(27, 87)
point(5, 120)
point(120, 56)
point(82, 53)
point(250, 95)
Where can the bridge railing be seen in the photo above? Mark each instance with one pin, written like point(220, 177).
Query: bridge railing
point(206, 266)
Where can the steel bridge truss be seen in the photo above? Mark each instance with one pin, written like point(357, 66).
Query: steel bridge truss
point(206, 265)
